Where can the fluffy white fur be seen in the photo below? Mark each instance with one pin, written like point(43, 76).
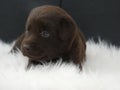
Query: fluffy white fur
point(101, 71)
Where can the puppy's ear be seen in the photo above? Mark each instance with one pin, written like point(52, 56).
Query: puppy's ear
point(67, 29)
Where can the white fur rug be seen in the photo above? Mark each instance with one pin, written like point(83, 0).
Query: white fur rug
point(101, 71)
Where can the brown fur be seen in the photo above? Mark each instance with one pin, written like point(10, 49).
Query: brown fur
point(63, 39)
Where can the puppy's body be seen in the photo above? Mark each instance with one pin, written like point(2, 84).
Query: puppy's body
point(51, 34)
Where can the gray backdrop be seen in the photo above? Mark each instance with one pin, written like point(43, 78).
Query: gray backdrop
point(94, 17)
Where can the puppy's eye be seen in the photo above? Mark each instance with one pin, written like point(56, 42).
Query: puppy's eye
point(45, 34)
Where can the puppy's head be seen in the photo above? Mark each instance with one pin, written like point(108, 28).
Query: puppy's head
point(49, 34)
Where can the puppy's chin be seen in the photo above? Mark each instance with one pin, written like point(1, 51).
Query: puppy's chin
point(40, 58)
point(36, 58)
point(33, 56)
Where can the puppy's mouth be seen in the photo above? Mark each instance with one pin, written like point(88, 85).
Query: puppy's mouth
point(35, 57)
point(32, 56)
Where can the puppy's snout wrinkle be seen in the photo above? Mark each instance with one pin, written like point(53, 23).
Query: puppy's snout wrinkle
point(26, 47)
point(29, 47)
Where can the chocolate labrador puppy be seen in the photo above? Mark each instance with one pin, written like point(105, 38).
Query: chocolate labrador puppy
point(50, 34)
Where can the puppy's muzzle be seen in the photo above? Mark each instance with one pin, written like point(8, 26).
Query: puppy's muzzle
point(26, 47)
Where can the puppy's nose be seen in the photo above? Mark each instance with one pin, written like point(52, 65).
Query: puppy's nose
point(26, 47)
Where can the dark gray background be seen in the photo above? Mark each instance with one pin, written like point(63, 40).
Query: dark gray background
point(96, 18)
